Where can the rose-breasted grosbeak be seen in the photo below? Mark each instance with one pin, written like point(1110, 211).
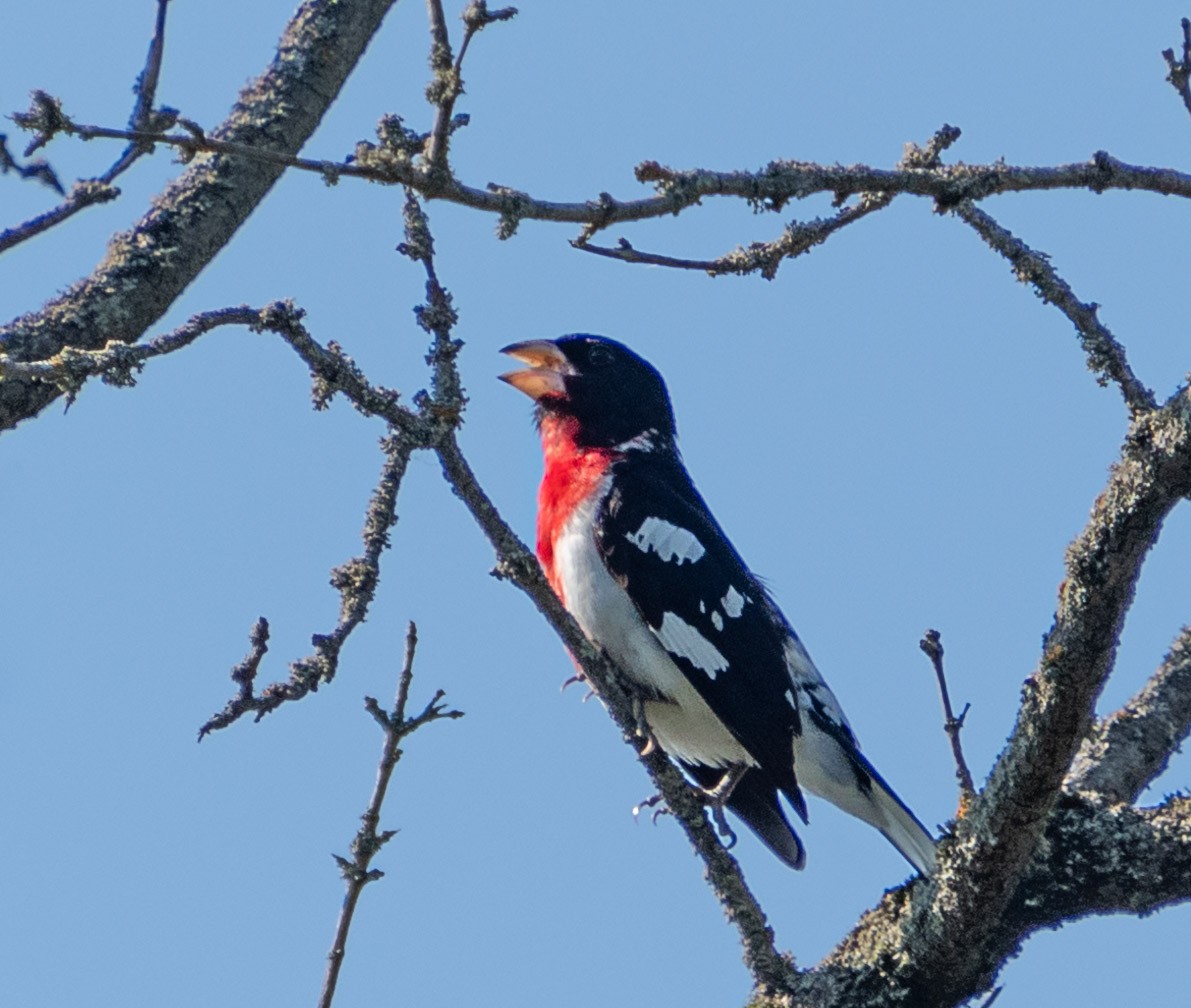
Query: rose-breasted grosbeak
point(726, 687)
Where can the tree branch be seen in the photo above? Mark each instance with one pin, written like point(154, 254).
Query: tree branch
point(356, 581)
point(987, 861)
point(932, 647)
point(358, 871)
point(1180, 70)
point(146, 268)
point(1131, 747)
point(1106, 357)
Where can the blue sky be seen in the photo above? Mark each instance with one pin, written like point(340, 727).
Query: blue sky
point(896, 434)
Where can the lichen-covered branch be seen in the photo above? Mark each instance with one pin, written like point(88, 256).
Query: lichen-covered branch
point(356, 581)
point(1106, 357)
point(906, 948)
point(1131, 747)
point(1093, 860)
point(798, 237)
point(119, 363)
point(146, 268)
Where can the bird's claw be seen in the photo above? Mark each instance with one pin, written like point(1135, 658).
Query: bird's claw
point(655, 802)
point(578, 677)
point(717, 797)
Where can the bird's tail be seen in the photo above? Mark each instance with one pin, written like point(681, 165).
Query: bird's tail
point(883, 809)
point(829, 765)
point(754, 800)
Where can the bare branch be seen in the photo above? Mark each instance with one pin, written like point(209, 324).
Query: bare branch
point(38, 171)
point(1106, 357)
point(358, 871)
point(1131, 747)
point(356, 581)
point(932, 647)
point(1180, 70)
point(82, 194)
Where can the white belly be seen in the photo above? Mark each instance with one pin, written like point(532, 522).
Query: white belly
point(682, 723)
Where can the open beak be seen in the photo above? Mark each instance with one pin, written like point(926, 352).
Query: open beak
point(548, 366)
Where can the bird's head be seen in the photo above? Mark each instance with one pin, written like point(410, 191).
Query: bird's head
point(611, 395)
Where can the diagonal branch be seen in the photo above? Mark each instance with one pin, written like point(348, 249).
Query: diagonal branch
point(1106, 357)
point(771, 971)
point(1131, 747)
point(994, 844)
point(146, 268)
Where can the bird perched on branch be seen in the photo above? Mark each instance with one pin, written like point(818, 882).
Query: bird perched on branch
point(726, 688)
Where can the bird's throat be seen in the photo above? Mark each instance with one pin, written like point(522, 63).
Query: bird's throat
point(572, 474)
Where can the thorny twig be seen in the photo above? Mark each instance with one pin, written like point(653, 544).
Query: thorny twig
point(358, 871)
point(932, 647)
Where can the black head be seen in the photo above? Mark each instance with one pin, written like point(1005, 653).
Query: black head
point(613, 395)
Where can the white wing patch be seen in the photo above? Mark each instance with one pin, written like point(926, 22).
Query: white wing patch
point(716, 619)
point(733, 602)
point(684, 641)
point(668, 541)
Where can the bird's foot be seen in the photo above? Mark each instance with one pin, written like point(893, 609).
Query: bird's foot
point(578, 677)
point(655, 802)
point(717, 797)
point(643, 730)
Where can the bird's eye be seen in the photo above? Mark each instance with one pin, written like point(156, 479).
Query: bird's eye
point(599, 355)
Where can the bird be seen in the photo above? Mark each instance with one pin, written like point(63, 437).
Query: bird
point(726, 688)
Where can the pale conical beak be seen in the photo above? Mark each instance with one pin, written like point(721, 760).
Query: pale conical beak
point(548, 366)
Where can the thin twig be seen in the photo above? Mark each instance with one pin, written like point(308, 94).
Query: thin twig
point(443, 89)
point(356, 581)
point(90, 192)
point(83, 194)
point(1106, 357)
point(143, 116)
point(760, 257)
point(358, 871)
point(37, 171)
point(932, 647)
point(1180, 70)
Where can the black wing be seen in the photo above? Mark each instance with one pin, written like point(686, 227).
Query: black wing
point(704, 606)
